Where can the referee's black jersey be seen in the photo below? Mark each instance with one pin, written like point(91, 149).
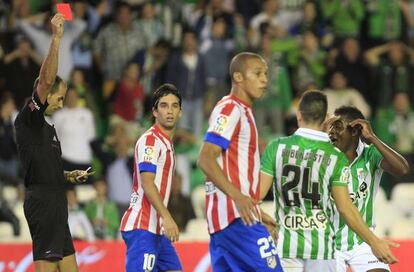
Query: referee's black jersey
point(38, 146)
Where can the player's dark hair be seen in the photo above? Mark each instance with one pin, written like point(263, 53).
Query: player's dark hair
point(54, 88)
point(349, 113)
point(313, 106)
point(164, 90)
point(238, 63)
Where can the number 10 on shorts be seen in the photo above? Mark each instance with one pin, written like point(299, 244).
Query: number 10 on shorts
point(149, 262)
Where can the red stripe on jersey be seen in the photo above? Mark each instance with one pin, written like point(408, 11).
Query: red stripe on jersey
point(126, 217)
point(146, 213)
point(233, 153)
point(227, 109)
point(214, 215)
point(252, 152)
point(230, 211)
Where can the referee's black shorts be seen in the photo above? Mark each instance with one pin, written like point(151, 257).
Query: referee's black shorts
point(46, 212)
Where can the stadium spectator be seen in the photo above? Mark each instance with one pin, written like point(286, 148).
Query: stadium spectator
point(392, 64)
point(129, 97)
point(75, 128)
point(21, 69)
point(79, 224)
point(117, 163)
point(180, 206)
point(150, 24)
point(115, 45)
point(348, 59)
point(38, 36)
point(186, 70)
point(103, 213)
point(339, 94)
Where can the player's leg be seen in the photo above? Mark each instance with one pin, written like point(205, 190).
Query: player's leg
point(320, 265)
point(142, 250)
point(167, 257)
point(364, 260)
point(292, 265)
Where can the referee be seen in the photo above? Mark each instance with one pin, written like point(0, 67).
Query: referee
point(45, 204)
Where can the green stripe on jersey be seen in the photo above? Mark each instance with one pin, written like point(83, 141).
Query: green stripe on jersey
point(366, 176)
point(304, 170)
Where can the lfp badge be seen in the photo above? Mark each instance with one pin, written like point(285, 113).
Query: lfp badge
point(148, 153)
point(221, 123)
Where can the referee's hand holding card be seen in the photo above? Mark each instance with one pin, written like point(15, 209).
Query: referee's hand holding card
point(78, 176)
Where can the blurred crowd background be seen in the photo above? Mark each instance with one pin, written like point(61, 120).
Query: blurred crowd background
point(115, 53)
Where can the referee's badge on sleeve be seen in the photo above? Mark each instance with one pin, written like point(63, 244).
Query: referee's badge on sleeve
point(221, 123)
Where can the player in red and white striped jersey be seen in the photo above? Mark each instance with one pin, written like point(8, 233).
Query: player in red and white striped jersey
point(230, 160)
point(147, 227)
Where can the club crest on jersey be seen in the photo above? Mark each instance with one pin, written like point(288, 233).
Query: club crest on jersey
point(271, 262)
point(148, 153)
point(221, 123)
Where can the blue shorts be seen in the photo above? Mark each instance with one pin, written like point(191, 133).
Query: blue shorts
point(147, 251)
point(243, 248)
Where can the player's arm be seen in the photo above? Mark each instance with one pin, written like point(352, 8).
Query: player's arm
point(266, 181)
point(352, 217)
point(392, 162)
point(208, 164)
point(154, 197)
point(49, 66)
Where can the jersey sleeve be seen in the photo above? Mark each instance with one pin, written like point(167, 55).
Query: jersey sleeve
point(33, 112)
point(268, 162)
point(147, 154)
point(375, 156)
point(341, 173)
point(222, 125)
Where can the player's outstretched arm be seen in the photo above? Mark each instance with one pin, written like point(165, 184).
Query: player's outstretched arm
point(352, 217)
point(393, 162)
point(208, 164)
point(154, 197)
point(49, 66)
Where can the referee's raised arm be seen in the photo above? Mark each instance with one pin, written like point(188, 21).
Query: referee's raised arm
point(50, 64)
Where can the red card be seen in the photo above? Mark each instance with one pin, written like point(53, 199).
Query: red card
point(64, 8)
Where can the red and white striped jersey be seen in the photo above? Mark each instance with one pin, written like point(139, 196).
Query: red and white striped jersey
point(154, 152)
point(232, 127)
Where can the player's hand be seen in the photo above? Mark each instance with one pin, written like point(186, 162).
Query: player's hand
point(171, 229)
point(270, 225)
point(382, 251)
point(57, 23)
point(364, 125)
point(246, 207)
point(328, 122)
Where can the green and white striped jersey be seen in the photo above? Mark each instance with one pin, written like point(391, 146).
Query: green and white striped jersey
point(305, 166)
point(365, 177)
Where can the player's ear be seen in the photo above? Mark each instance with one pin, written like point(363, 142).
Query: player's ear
point(154, 112)
point(356, 131)
point(237, 77)
point(299, 117)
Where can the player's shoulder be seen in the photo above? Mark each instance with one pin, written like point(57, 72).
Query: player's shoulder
point(227, 106)
point(149, 137)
